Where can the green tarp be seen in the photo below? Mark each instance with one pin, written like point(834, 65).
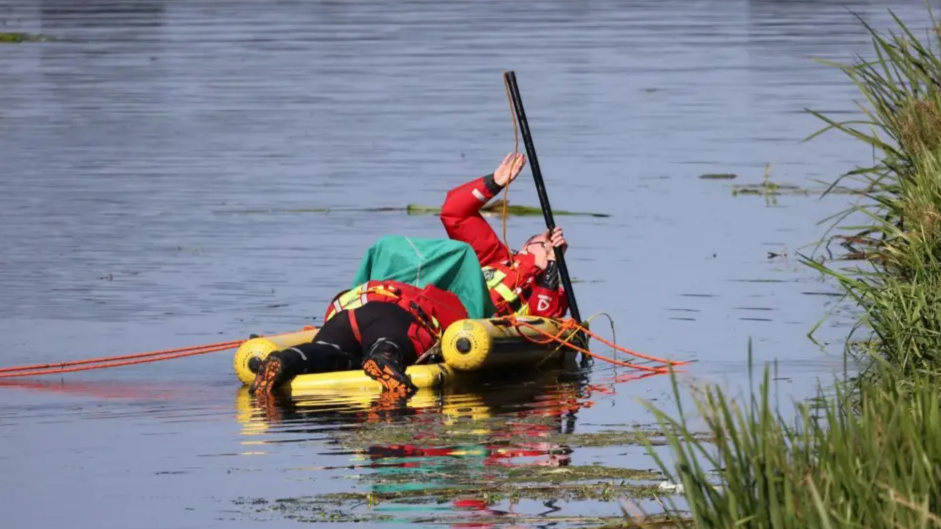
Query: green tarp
point(449, 265)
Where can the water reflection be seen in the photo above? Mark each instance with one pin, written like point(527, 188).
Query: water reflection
point(97, 390)
point(485, 433)
point(473, 396)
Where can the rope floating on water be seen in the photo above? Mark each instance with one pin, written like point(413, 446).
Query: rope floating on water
point(116, 361)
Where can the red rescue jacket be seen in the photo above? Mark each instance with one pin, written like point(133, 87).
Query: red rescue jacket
point(434, 309)
point(463, 222)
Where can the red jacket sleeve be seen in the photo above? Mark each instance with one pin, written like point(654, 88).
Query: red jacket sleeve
point(463, 222)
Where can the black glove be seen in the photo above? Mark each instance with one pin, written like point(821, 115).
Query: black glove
point(550, 276)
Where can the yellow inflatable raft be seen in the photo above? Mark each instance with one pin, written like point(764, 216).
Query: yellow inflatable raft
point(467, 345)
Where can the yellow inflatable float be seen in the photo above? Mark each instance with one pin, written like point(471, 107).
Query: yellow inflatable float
point(467, 345)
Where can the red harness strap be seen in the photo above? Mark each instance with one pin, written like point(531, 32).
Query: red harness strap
point(355, 326)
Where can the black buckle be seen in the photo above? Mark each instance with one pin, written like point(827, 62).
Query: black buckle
point(421, 312)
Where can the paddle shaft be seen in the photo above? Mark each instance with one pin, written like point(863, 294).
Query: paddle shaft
point(541, 190)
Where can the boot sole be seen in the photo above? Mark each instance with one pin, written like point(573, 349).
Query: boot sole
point(269, 376)
point(387, 377)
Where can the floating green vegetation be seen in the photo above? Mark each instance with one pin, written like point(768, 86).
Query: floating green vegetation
point(719, 176)
point(474, 430)
point(461, 476)
point(770, 190)
point(444, 479)
point(301, 510)
point(572, 483)
point(317, 510)
point(16, 38)
point(495, 492)
point(496, 208)
point(416, 209)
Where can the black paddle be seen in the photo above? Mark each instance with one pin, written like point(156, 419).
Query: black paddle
point(544, 199)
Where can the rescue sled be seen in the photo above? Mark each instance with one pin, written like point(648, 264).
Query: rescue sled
point(467, 345)
point(474, 344)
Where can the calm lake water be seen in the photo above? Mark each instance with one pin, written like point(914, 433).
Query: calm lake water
point(156, 158)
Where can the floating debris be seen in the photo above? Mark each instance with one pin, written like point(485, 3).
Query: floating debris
point(670, 487)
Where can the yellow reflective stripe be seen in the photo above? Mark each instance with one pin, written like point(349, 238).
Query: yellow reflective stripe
point(495, 278)
point(349, 300)
point(358, 296)
point(505, 292)
point(512, 299)
point(510, 296)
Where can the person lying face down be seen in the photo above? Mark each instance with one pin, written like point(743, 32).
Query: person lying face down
point(526, 283)
point(381, 327)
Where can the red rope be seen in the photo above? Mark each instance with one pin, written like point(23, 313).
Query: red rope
point(116, 361)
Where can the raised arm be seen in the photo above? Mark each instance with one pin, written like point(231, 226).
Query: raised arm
point(461, 216)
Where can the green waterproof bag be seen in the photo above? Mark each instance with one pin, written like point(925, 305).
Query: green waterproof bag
point(447, 264)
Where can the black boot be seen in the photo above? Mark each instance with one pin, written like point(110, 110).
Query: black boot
point(384, 366)
point(270, 376)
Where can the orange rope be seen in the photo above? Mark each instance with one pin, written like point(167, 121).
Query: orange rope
point(570, 325)
point(116, 361)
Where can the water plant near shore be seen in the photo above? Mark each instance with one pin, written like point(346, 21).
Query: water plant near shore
point(897, 249)
point(866, 454)
point(868, 461)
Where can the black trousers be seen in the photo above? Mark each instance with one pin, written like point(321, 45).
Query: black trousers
point(384, 330)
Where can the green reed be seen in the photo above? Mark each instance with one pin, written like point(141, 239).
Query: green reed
point(871, 461)
point(897, 245)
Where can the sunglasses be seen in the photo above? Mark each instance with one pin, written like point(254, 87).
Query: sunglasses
point(531, 242)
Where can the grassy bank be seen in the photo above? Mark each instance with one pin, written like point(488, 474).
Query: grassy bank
point(870, 454)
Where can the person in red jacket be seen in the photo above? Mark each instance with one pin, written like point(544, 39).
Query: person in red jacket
point(381, 326)
point(525, 282)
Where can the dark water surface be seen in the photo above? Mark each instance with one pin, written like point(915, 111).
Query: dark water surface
point(155, 155)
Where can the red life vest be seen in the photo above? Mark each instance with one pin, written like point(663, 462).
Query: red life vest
point(511, 283)
point(434, 309)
